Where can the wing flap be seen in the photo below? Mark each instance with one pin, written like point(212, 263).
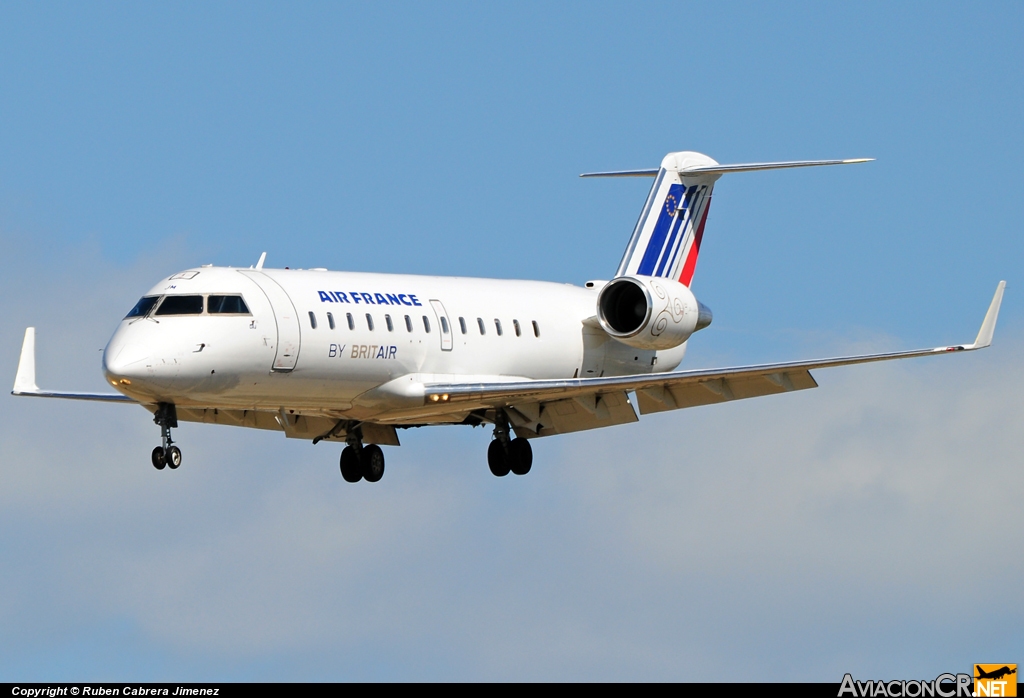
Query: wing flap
point(586, 412)
point(661, 398)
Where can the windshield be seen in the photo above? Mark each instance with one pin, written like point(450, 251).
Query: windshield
point(181, 305)
point(226, 305)
point(143, 307)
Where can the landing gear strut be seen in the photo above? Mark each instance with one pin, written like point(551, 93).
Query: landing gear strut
point(167, 454)
point(359, 462)
point(505, 454)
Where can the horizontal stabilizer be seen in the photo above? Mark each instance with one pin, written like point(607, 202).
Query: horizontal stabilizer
point(758, 166)
point(726, 169)
point(622, 173)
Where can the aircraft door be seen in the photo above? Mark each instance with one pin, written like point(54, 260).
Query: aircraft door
point(444, 325)
point(288, 334)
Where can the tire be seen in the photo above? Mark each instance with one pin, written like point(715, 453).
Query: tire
point(497, 460)
point(373, 463)
point(351, 470)
point(158, 458)
point(520, 456)
point(173, 457)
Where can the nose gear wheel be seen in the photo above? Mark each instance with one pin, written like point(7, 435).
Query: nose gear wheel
point(166, 455)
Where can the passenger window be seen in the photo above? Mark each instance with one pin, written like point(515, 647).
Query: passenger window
point(143, 307)
point(536, 328)
point(519, 332)
point(181, 305)
point(369, 321)
point(426, 324)
point(391, 325)
point(408, 323)
point(351, 321)
point(480, 324)
point(330, 320)
point(226, 305)
point(444, 324)
point(312, 320)
point(497, 325)
point(462, 324)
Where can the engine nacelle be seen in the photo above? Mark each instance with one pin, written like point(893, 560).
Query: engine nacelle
point(650, 313)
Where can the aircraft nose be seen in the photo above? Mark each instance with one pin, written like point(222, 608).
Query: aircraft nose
point(124, 363)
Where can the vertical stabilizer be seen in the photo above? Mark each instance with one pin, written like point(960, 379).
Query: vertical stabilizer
point(667, 237)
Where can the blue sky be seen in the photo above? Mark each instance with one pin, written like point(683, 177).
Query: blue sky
point(139, 139)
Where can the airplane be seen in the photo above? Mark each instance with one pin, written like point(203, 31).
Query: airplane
point(355, 357)
point(996, 674)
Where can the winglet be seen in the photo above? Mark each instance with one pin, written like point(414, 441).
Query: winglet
point(988, 325)
point(25, 379)
point(263, 258)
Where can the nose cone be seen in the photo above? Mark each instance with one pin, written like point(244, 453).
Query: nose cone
point(124, 362)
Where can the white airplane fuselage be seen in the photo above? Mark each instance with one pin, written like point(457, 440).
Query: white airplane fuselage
point(275, 357)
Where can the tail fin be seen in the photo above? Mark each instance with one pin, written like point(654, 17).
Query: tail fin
point(667, 237)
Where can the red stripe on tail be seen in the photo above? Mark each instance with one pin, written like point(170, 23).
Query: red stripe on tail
point(691, 257)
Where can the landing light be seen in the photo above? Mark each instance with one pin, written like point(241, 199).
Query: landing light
point(439, 398)
point(125, 381)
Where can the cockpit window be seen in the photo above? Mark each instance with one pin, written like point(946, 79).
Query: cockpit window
point(143, 307)
point(227, 305)
point(181, 305)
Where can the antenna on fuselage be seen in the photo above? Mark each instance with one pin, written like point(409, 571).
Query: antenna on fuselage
point(259, 264)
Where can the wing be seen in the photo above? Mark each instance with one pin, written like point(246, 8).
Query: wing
point(546, 407)
point(25, 379)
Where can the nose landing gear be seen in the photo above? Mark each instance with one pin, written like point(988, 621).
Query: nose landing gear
point(359, 462)
point(506, 455)
point(166, 455)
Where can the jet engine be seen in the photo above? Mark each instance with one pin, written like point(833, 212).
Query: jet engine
point(650, 313)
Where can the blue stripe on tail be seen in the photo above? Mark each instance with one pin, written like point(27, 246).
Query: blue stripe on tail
point(680, 224)
point(661, 230)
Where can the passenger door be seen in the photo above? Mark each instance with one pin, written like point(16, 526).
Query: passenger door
point(288, 333)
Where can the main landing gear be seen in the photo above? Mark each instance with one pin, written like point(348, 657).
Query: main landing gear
point(506, 455)
point(359, 462)
point(166, 455)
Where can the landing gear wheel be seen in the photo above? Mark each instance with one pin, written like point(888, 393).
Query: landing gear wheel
point(373, 462)
point(166, 418)
point(351, 469)
point(520, 456)
point(497, 459)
